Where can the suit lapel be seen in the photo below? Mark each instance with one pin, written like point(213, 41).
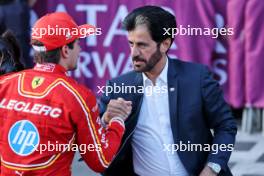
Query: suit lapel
point(173, 96)
point(136, 102)
point(139, 96)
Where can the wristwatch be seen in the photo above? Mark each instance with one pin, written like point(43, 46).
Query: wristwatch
point(215, 167)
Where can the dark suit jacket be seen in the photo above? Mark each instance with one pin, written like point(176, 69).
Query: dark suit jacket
point(196, 105)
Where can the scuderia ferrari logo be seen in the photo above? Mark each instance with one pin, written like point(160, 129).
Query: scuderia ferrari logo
point(37, 81)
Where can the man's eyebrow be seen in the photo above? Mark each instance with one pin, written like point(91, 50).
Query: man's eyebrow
point(142, 43)
point(137, 43)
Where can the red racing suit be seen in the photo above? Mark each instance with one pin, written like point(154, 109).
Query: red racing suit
point(45, 116)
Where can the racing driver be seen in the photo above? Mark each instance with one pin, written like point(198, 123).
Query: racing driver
point(44, 112)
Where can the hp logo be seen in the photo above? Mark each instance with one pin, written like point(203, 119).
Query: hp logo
point(23, 137)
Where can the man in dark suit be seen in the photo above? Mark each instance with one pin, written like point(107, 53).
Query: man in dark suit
point(175, 105)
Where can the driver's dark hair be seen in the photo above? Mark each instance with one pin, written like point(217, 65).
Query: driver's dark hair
point(52, 56)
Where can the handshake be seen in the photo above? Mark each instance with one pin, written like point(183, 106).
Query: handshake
point(117, 108)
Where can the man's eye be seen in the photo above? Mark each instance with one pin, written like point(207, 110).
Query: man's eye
point(142, 45)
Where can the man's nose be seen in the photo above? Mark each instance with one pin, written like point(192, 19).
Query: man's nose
point(135, 51)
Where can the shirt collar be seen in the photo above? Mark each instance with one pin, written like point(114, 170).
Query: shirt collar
point(162, 76)
point(50, 67)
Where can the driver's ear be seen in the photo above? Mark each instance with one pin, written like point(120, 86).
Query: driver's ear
point(65, 51)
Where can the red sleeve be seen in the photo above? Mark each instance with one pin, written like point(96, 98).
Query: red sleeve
point(103, 142)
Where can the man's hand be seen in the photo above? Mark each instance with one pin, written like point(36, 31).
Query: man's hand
point(207, 171)
point(117, 108)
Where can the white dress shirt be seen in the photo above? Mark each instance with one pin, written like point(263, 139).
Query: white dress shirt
point(153, 130)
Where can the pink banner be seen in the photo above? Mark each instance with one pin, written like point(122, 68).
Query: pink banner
point(106, 56)
point(246, 51)
point(254, 50)
point(236, 91)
